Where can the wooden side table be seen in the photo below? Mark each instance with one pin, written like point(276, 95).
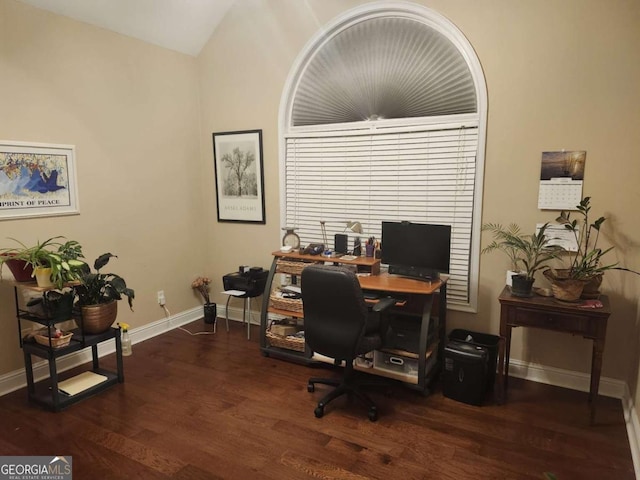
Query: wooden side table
point(550, 314)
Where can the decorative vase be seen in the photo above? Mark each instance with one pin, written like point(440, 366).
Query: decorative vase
point(210, 313)
point(43, 277)
point(21, 270)
point(99, 318)
point(563, 287)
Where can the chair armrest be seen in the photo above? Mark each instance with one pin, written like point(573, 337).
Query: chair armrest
point(384, 304)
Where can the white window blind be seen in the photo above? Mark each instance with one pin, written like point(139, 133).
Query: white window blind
point(422, 174)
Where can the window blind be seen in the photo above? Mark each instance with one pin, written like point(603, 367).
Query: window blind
point(422, 174)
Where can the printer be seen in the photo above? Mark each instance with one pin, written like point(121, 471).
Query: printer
point(251, 281)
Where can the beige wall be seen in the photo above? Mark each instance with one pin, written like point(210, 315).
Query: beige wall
point(131, 110)
point(559, 75)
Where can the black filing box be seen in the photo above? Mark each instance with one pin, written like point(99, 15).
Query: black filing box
point(469, 366)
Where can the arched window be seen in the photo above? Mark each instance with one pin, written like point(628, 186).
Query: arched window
point(383, 118)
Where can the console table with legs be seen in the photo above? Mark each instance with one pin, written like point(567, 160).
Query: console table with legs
point(550, 314)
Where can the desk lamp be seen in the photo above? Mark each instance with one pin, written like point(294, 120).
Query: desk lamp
point(355, 227)
point(324, 233)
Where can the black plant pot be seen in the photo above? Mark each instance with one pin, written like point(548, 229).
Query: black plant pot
point(210, 313)
point(521, 286)
point(58, 306)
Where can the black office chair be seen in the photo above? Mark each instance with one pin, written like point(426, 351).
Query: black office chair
point(339, 325)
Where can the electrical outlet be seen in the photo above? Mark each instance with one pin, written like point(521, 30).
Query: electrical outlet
point(161, 299)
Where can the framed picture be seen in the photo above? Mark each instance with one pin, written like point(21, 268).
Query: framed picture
point(37, 180)
point(239, 176)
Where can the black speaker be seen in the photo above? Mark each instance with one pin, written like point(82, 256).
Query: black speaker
point(341, 242)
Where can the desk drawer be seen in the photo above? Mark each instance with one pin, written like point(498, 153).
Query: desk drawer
point(564, 322)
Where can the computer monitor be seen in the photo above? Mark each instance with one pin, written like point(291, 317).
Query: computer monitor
point(416, 250)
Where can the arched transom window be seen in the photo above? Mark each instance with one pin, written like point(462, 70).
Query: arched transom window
point(383, 118)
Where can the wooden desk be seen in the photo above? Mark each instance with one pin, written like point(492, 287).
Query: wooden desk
point(425, 302)
point(550, 314)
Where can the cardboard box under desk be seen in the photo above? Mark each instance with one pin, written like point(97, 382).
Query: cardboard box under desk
point(284, 330)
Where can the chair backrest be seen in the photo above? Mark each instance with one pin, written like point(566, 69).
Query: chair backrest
point(335, 313)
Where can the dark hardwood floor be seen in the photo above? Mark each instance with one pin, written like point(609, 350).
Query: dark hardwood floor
point(212, 407)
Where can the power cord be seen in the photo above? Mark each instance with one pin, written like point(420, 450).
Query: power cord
point(195, 333)
point(167, 314)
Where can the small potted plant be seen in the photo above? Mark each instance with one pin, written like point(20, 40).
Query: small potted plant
point(98, 294)
point(201, 285)
point(527, 253)
point(53, 263)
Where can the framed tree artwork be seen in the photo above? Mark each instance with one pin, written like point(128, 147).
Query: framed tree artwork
point(239, 176)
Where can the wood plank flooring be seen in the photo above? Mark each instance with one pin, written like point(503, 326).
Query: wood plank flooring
point(213, 407)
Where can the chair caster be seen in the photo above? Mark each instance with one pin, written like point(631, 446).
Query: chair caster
point(311, 387)
point(319, 411)
point(373, 414)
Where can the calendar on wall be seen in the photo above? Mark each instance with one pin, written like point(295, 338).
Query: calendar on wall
point(561, 178)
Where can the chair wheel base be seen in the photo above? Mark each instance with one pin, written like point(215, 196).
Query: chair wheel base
point(311, 388)
point(319, 411)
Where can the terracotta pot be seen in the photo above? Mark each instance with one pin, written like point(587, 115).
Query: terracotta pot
point(99, 318)
point(21, 270)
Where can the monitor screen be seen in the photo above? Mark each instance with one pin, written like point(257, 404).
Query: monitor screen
point(416, 245)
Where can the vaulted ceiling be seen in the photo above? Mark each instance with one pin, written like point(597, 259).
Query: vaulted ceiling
point(181, 25)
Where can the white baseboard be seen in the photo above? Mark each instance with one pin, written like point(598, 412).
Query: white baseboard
point(17, 379)
point(534, 372)
point(633, 430)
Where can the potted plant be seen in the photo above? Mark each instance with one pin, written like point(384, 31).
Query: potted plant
point(527, 253)
point(98, 294)
point(53, 263)
point(201, 284)
point(586, 266)
point(66, 264)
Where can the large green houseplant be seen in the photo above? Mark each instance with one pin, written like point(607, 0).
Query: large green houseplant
point(98, 294)
point(528, 253)
point(587, 264)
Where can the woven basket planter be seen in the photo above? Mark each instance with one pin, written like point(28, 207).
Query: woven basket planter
point(564, 288)
point(99, 318)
